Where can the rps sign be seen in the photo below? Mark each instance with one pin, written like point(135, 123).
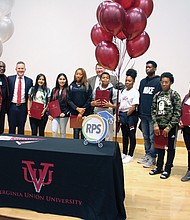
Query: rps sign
point(94, 128)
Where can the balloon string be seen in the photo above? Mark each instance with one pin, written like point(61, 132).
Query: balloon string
point(117, 107)
point(123, 53)
point(128, 64)
point(122, 50)
point(121, 45)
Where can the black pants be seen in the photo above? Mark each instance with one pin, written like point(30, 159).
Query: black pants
point(17, 118)
point(77, 133)
point(172, 137)
point(128, 135)
point(38, 125)
point(128, 128)
point(2, 119)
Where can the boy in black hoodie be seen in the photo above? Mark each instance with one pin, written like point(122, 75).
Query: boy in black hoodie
point(149, 86)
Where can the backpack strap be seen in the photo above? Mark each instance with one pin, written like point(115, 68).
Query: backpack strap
point(172, 94)
point(157, 94)
point(111, 94)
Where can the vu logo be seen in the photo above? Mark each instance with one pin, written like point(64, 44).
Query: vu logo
point(37, 176)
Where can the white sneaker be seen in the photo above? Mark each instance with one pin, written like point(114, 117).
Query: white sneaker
point(127, 159)
point(150, 162)
point(123, 156)
point(143, 159)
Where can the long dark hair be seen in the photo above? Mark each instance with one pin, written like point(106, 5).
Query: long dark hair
point(44, 86)
point(57, 87)
point(84, 81)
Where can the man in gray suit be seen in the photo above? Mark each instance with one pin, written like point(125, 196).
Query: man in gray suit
point(94, 81)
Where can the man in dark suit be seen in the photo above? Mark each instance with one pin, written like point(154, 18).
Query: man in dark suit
point(18, 96)
point(95, 80)
point(3, 95)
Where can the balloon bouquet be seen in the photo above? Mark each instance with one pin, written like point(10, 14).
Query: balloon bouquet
point(6, 24)
point(122, 21)
point(120, 29)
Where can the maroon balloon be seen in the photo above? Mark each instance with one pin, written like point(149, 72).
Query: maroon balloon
point(101, 5)
point(107, 55)
point(125, 3)
point(135, 23)
point(139, 45)
point(98, 34)
point(111, 17)
point(121, 35)
point(146, 5)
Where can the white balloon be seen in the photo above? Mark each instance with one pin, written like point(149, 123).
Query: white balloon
point(1, 48)
point(6, 28)
point(8, 15)
point(5, 7)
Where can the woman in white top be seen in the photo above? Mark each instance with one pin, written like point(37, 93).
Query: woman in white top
point(60, 93)
point(129, 100)
point(41, 94)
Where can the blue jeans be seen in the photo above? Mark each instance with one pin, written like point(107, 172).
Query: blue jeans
point(148, 134)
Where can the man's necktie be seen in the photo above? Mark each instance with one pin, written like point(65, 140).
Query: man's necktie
point(19, 90)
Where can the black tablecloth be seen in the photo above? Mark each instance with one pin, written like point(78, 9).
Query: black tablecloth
point(63, 176)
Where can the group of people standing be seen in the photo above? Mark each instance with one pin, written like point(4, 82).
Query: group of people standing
point(17, 93)
point(159, 109)
point(155, 103)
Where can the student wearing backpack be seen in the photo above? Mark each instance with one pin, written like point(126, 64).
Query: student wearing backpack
point(166, 112)
point(107, 105)
point(39, 93)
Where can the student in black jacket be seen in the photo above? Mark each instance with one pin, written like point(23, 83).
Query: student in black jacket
point(79, 98)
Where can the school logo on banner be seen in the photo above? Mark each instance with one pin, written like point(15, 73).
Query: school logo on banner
point(39, 177)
